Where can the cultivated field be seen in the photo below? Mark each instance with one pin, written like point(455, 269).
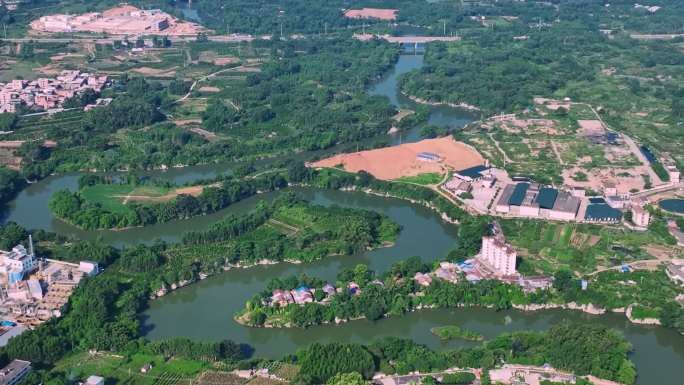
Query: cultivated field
point(402, 161)
point(561, 142)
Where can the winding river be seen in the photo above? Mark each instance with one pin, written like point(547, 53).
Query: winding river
point(204, 310)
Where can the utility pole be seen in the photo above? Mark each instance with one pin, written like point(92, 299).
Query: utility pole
point(444, 34)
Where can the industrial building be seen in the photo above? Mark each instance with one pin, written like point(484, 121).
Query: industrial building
point(472, 174)
point(600, 211)
point(122, 20)
point(536, 201)
point(14, 372)
point(34, 290)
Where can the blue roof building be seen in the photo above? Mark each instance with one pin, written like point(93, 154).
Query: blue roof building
point(547, 197)
point(518, 194)
point(472, 173)
point(602, 213)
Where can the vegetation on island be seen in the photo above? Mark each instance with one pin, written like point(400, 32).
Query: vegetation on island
point(302, 91)
point(451, 332)
point(101, 203)
point(395, 292)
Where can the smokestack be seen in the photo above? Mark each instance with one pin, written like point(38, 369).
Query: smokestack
point(31, 246)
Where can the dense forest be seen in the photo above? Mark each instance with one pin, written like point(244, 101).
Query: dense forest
point(308, 95)
point(572, 347)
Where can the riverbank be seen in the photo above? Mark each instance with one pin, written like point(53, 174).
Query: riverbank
point(166, 289)
point(462, 105)
point(243, 318)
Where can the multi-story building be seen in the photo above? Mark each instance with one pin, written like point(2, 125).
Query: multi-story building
point(17, 261)
point(640, 216)
point(498, 255)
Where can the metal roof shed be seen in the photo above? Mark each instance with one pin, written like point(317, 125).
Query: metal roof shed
point(518, 194)
point(547, 197)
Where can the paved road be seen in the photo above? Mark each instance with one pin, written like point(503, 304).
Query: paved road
point(110, 40)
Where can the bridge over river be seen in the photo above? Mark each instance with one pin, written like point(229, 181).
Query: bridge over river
point(406, 39)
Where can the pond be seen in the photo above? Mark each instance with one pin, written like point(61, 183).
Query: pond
point(672, 205)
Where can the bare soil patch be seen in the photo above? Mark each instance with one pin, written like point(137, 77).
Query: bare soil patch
point(398, 161)
point(209, 89)
point(192, 190)
point(156, 72)
point(208, 135)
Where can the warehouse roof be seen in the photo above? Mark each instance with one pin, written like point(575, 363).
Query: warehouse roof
point(602, 212)
point(518, 194)
point(547, 197)
point(566, 202)
point(473, 172)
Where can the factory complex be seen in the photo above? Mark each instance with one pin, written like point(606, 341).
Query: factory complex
point(33, 290)
point(122, 20)
point(491, 191)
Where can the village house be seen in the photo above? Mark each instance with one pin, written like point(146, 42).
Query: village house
point(447, 271)
point(48, 93)
point(281, 297)
point(676, 271)
point(354, 288)
point(423, 279)
point(302, 295)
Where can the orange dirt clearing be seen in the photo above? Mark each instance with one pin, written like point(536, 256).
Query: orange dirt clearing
point(398, 161)
point(372, 13)
point(192, 190)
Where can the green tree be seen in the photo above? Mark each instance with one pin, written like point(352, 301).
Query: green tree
point(347, 379)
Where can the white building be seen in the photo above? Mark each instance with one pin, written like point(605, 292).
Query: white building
point(17, 261)
point(95, 380)
point(498, 255)
point(640, 217)
point(674, 174)
point(89, 268)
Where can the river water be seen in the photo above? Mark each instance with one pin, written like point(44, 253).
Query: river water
point(442, 116)
point(204, 310)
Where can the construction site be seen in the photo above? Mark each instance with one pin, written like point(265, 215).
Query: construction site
point(122, 20)
point(33, 290)
point(411, 159)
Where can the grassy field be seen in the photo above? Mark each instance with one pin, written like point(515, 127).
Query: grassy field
point(112, 196)
point(422, 179)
